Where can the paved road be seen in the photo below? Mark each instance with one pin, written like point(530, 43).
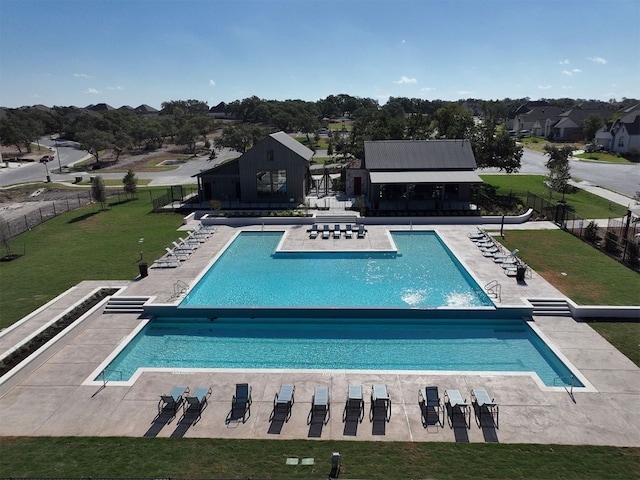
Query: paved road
point(619, 177)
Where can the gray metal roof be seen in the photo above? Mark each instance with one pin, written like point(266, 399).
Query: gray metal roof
point(418, 155)
point(438, 177)
point(292, 144)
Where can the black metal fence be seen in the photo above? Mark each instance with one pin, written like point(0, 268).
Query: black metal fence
point(174, 198)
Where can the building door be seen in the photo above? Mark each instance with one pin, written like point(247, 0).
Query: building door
point(357, 186)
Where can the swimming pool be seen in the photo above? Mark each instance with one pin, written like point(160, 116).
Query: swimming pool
point(422, 273)
point(395, 344)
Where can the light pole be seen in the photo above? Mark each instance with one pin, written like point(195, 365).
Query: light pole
point(46, 167)
point(58, 155)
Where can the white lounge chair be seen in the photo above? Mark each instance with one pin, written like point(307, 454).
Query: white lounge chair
point(455, 403)
point(320, 406)
point(182, 246)
point(167, 262)
point(326, 233)
point(348, 233)
point(182, 255)
point(284, 400)
point(500, 258)
point(361, 231)
point(336, 231)
point(313, 233)
point(380, 401)
point(189, 242)
point(484, 404)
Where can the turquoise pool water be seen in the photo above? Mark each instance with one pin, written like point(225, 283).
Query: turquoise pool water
point(339, 343)
point(422, 274)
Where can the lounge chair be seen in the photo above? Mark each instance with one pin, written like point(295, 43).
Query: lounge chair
point(320, 405)
point(208, 229)
point(173, 400)
point(197, 237)
point(455, 403)
point(354, 407)
point(483, 403)
point(313, 233)
point(361, 231)
point(490, 252)
point(326, 233)
point(336, 231)
point(177, 253)
point(183, 247)
point(197, 401)
point(284, 400)
point(348, 233)
point(429, 398)
point(380, 400)
point(167, 262)
point(485, 244)
point(241, 402)
point(500, 258)
point(189, 242)
point(478, 235)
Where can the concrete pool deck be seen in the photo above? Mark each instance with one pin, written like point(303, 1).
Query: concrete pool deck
point(50, 396)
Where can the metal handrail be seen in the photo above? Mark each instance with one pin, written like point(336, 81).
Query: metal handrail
point(563, 379)
point(494, 288)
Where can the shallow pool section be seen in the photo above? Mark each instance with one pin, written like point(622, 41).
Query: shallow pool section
point(340, 344)
point(423, 273)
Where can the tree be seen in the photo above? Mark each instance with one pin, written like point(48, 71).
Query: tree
point(559, 168)
point(130, 182)
point(496, 149)
point(453, 121)
point(94, 141)
point(240, 137)
point(187, 135)
point(590, 126)
point(99, 191)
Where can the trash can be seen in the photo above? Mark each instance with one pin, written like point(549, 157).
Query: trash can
point(143, 269)
point(520, 270)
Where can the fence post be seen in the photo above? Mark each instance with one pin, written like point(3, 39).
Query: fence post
point(54, 209)
point(26, 223)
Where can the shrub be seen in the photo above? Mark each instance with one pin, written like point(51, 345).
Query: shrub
point(633, 252)
point(611, 241)
point(591, 232)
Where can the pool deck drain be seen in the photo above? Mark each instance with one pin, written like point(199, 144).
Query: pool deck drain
point(49, 398)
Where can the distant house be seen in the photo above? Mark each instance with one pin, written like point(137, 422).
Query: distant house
point(275, 169)
point(99, 107)
point(219, 111)
point(145, 109)
point(538, 120)
point(569, 125)
point(415, 175)
point(622, 135)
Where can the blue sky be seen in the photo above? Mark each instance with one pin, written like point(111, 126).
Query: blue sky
point(58, 52)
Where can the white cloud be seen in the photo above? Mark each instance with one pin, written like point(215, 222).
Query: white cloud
point(563, 62)
point(572, 71)
point(212, 83)
point(427, 89)
point(599, 60)
point(544, 87)
point(404, 79)
point(464, 93)
point(567, 87)
point(92, 91)
point(118, 87)
point(82, 75)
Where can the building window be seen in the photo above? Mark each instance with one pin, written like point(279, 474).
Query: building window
point(621, 142)
point(271, 183)
point(269, 155)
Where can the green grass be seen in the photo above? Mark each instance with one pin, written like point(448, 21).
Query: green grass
point(584, 274)
point(337, 126)
point(624, 335)
point(585, 204)
point(212, 458)
point(602, 157)
point(321, 144)
point(84, 244)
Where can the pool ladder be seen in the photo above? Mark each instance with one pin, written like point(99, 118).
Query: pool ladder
point(180, 288)
point(569, 388)
point(494, 289)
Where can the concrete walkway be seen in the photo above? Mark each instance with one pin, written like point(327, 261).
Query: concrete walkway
point(55, 395)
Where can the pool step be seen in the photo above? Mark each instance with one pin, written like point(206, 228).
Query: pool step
point(556, 307)
point(125, 305)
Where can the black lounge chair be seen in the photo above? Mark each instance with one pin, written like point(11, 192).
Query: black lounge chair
point(174, 400)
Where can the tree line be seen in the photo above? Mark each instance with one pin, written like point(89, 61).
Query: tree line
point(188, 122)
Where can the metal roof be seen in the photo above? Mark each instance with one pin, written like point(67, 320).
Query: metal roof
point(292, 144)
point(418, 155)
point(425, 177)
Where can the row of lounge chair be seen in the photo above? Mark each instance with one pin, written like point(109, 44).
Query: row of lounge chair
point(428, 398)
point(509, 262)
point(184, 247)
point(337, 231)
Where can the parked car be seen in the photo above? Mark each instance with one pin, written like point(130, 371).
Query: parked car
point(524, 134)
point(592, 147)
point(46, 158)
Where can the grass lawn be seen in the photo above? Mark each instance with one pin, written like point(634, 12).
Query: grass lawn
point(585, 204)
point(602, 157)
point(538, 144)
point(211, 458)
point(321, 144)
point(584, 274)
point(84, 244)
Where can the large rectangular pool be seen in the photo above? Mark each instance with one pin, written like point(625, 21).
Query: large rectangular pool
point(422, 273)
point(394, 344)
